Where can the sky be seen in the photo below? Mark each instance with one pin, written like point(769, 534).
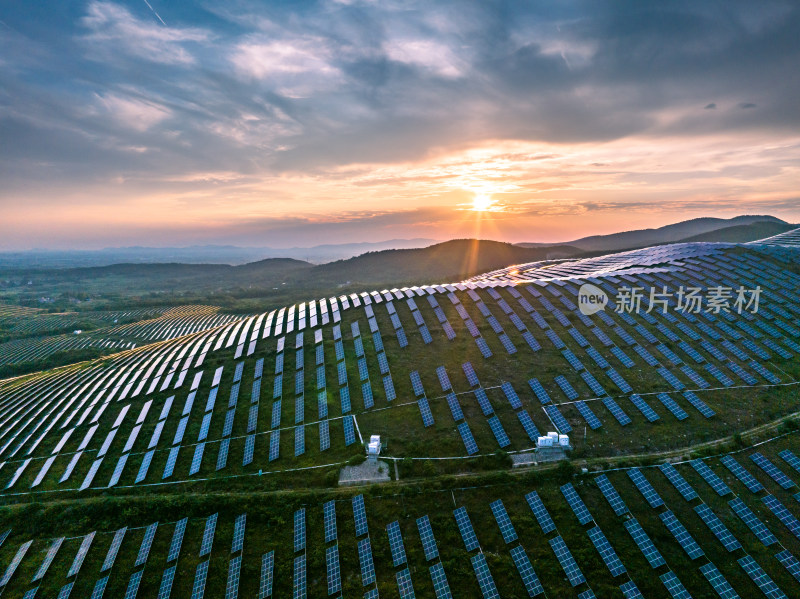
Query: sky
point(297, 123)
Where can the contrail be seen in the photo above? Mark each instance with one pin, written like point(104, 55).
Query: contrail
point(155, 13)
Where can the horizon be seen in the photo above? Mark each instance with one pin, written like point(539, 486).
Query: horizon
point(296, 125)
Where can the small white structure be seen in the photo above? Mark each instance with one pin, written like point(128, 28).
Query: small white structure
point(374, 448)
point(553, 439)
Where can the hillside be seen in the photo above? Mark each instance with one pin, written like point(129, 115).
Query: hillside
point(743, 233)
point(666, 234)
point(451, 260)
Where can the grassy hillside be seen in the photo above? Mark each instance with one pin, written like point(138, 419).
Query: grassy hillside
point(743, 233)
point(667, 234)
point(451, 260)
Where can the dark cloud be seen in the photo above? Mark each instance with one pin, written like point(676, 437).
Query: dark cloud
point(94, 91)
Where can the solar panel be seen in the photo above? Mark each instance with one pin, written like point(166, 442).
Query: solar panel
point(540, 512)
point(238, 533)
point(756, 526)
point(630, 590)
point(557, 419)
point(503, 521)
point(743, 475)
point(645, 488)
point(674, 586)
point(593, 384)
point(718, 582)
point(539, 391)
point(673, 407)
point(511, 395)
point(469, 372)
point(234, 572)
point(360, 515)
point(276, 414)
point(483, 401)
point(99, 588)
point(167, 579)
point(790, 458)
point(344, 399)
point(208, 535)
point(678, 530)
point(366, 563)
point(274, 445)
point(455, 407)
point(77, 562)
point(404, 584)
point(48, 559)
point(568, 389)
point(177, 540)
point(606, 551)
point(299, 440)
point(425, 412)
point(147, 542)
point(568, 563)
point(526, 572)
point(197, 459)
point(396, 543)
point(677, 480)
point(620, 382)
point(644, 408)
point(388, 386)
point(12, 567)
point(252, 418)
point(783, 514)
point(576, 504)
point(265, 582)
point(772, 471)
point(349, 431)
point(440, 586)
point(427, 538)
point(324, 435)
point(299, 580)
point(527, 423)
point(113, 549)
point(465, 528)
point(591, 419)
point(699, 404)
point(611, 495)
point(622, 357)
point(710, 477)
point(67, 589)
point(761, 578)
point(333, 570)
point(485, 580)
point(300, 530)
point(789, 562)
point(383, 363)
point(499, 432)
point(717, 527)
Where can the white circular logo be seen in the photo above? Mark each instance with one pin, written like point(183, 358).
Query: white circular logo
point(591, 299)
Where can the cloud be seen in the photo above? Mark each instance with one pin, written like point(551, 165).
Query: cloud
point(711, 106)
point(131, 112)
point(112, 28)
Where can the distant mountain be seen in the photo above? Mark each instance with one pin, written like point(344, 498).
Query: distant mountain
point(449, 261)
point(743, 233)
point(197, 254)
point(667, 234)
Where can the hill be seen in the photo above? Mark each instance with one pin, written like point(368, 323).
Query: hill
point(743, 233)
point(448, 261)
point(666, 234)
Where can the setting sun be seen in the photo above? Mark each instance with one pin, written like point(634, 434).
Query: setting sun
point(482, 202)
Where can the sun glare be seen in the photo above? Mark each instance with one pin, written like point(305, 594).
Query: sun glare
point(482, 202)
